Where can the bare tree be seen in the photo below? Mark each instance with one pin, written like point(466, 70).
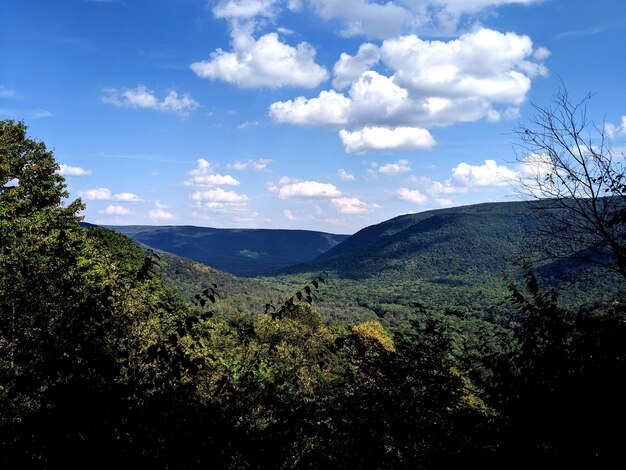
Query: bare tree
point(576, 184)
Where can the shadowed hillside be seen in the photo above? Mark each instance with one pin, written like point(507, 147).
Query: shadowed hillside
point(244, 252)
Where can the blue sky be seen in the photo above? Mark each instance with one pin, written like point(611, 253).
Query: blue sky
point(317, 114)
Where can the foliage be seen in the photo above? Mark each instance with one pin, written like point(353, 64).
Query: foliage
point(102, 364)
point(559, 387)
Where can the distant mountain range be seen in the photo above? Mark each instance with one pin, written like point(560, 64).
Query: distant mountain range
point(460, 256)
point(243, 252)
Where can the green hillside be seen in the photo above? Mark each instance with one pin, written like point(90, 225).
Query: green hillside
point(445, 258)
point(244, 252)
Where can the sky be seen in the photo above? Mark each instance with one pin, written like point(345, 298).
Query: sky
point(328, 115)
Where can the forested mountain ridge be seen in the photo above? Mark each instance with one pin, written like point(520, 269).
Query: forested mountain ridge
point(441, 242)
point(460, 257)
point(243, 252)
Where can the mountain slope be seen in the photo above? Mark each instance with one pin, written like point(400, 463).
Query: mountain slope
point(243, 252)
point(454, 258)
point(455, 241)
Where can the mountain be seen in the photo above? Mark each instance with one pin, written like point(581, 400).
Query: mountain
point(243, 252)
point(444, 242)
point(453, 258)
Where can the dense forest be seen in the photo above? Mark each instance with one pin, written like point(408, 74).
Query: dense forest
point(103, 362)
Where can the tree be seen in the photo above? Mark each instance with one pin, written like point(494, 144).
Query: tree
point(576, 183)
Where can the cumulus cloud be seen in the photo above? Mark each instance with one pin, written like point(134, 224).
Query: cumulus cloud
point(203, 175)
point(141, 97)
point(127, 197)
point(437, 189)
point(116, 210)
point(411, 195)
point(105, 194)
point(349, 68)
point(219, 195)
point(220, 200)
point(159, 212)
point(252, 165)
point(290, 188)
point(382, 138)
point(483, 64)
point(483, 74)
point(67, 170)
point(264, 62)
point(328, 109)
point(489, 174)
point(345, 176)
point(352, 205)
point(395, 169)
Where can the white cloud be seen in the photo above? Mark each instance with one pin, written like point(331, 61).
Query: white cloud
point(377, 99)
point(159, 212)
point(394, 17)
point(212, 180)
point(266, 62)
point(395, 169)
point(411, 195)
point(203, 175)
point(289, 215)
point(616, 131)
point(246, 124)
point(141, 97)
point(349, 68)
point(345, 176)
point(221, 201)
point(105, 194)
point(484, 64)
point(244, 9)
point(489, 174)
point(67, 170)
point(127, 197)
point(436, 189)
point(328, 109)
point(285, 31)
point(253, 165)
point(483, 74)
point(219, 195)
point(98, 194)
point(382, 138)
point(352, 205)
point(305, 189)
point(115, 210)
point(367, 18)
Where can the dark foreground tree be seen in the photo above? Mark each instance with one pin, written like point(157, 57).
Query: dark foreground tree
point(577, 184)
